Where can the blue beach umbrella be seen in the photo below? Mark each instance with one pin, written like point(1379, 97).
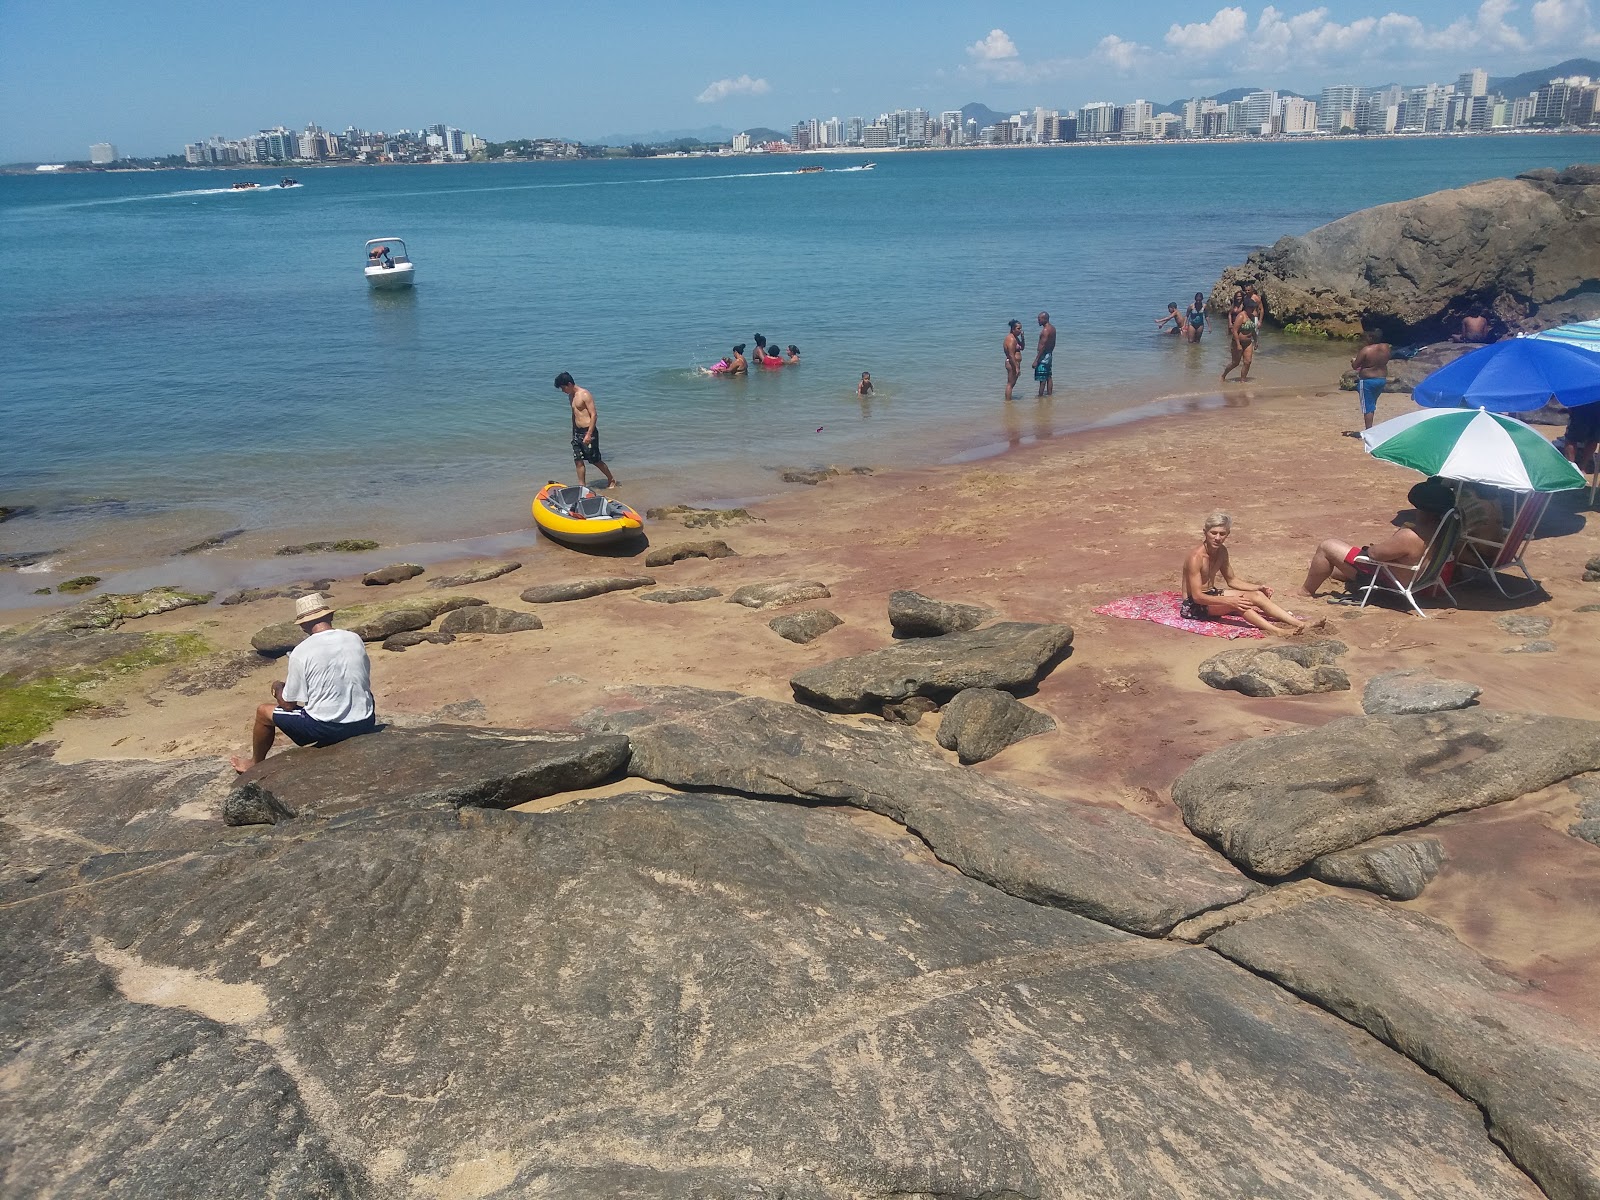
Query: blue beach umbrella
point(1518, 375)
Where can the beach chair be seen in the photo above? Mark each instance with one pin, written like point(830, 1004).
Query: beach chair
point(1491, 557)
point(1429, 574)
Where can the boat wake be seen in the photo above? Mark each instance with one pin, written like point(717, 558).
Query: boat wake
point(183, 195)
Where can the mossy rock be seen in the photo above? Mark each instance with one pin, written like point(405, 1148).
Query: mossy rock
point(342, 546)
point(370, 622)
point(81, 584)
point(702, 518)
point(113, 608)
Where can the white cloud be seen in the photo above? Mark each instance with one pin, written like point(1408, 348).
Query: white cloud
point(1563, 22)
point(1207, 37)
point(1124, 56)
point(742, 86)
point(996, 47)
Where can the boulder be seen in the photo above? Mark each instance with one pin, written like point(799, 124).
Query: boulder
point(1101, 862)
point(980, 722)
point(393, 573)
point(663, 556)
point(1396, 867)
point(582, 589)
point(80, 584)
point(701, 518)
point(212, 542)
point(1010, 655)
point(909, 711)
point(1298, 668)
point(780, 593)
point(289, 591)
point(1591, 569)
point(1406, 373)
point(451, 765)
point(111, 609)
point(401, 642)
point(1411, 984)
point(1405, 267)
point(812, 476)
point(804, 626)
point(1398, 692)
point(371, 622)
point(684, 595)
point(482, 618)
point(1272, 804)
point(341, 546)
point(656, 996)
point(914, 615)
point(477, 573)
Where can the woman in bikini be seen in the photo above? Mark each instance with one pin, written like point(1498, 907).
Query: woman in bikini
point(1245, 327)
point(1211, 590)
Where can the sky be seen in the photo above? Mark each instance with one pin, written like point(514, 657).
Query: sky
point(152, 75)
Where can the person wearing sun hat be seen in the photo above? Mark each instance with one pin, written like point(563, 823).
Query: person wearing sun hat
point(327, 696)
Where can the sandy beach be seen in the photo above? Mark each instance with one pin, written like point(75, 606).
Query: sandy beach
point(1045, 532)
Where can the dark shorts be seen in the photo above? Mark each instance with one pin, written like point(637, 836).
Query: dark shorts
point(586, 451)
point(1191, 611)
point(1583, 425)
point(305, 730)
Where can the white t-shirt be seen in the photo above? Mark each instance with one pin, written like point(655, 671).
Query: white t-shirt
point(330, 677)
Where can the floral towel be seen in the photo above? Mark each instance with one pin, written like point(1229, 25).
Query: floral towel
point(1163, 609)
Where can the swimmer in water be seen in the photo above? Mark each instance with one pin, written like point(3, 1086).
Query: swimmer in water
point(864, 388)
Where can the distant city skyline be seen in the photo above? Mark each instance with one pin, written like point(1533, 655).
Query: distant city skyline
point(139, 77)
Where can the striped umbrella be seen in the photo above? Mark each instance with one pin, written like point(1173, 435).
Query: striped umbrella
point(1473, 447)
point(1585, 335)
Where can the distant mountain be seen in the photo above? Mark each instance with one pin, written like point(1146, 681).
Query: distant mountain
point(760, 134)
point(658, 137)
point(1531, 81)
point(982, 114)
point(1227, 97)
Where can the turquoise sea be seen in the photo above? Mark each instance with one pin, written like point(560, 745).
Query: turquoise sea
point(181, 358)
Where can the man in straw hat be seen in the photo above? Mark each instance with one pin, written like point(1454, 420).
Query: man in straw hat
point(328, 694)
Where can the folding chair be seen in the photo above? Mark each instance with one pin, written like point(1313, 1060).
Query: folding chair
point(1429, 572)
point(1492, 557)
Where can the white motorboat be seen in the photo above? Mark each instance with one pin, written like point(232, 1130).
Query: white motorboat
point(388, 264)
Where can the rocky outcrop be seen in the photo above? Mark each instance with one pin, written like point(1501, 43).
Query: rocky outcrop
point(1411, 984)
point(216, 672)
point(477, 573)
point(649, 996)
point(981, 722)
point(1099, 861)
point(449, 765)
point(110, 610)
point(370, 622)
point(701, 518)
point(804, 626)
point(341, 546)
point(683, 595)
point(288, 591)
point(780, 593)
point(582, 589)
point(1007, 656)
point(212, 542)
point(663, 556)
point(1396, 867)
point(914, 615)
point(815, 475)
point(1272, 804)
point(483, 618)
point(401, 642)
point(1399, 692)
point(1298, 668)
point(1515, 248)
point(393, 573)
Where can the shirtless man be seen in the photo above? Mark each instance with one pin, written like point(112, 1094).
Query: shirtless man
point(1402, 550)
point(1205, 600)
point(585, 429)
point(1371, 365)
point(1013, 348)
point(1474, 328)
point(1044, 356)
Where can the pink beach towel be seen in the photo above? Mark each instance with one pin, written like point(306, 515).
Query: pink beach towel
point(1163, 608)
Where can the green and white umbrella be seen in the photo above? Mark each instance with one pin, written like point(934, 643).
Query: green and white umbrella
point(1473, 447)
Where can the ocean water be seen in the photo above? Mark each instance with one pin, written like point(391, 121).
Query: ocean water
point(183, 358)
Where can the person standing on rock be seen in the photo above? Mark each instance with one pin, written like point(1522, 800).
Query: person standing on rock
point(327, 696)
point(1371, 365)
point(585, 429)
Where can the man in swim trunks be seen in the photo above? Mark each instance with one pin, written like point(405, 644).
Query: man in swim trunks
point(326, 696)
point(1044, 356)
point(1371, 365)
point(1474, 328)
point(1401, 551)
point(1013, 350)
point(1207, 600)
point(585, 429)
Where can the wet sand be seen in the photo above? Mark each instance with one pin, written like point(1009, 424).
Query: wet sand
point(1045, 531)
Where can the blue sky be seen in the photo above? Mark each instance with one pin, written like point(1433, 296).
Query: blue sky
point(150, 76)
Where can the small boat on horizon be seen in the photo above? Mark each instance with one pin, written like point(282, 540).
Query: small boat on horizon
point(287, 182)
point(808, 170)
point(387, 269)
point(245, 187)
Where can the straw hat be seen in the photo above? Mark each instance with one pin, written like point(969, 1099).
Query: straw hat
point(311, 608)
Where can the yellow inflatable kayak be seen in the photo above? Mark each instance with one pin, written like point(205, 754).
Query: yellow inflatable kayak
point(580, 517)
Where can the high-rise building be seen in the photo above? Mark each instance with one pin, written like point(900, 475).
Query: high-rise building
point(1298, 115)
point(1522, 110)
point(1135, 117)
point(1553, 103)
point(876, 135)
point(852, 130)
point(741, 143)
point(1473, 83)
point(1259, 109)
point(1097, 120)
point(1336, 104)
point(800, 135)
point(102, 153)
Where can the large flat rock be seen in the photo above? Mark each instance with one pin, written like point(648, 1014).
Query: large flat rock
point(1272, 804)
point(454, 765)
point(1409, 982)
point(370, 622)
point(1009, 655)
point(670, 996)
point(1102, 862)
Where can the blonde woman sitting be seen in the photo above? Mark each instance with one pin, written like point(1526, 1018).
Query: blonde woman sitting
point(1211, 590)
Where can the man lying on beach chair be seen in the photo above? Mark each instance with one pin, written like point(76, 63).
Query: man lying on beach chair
point(1399, 553)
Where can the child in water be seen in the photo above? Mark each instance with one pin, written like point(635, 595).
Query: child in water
point(864, 388)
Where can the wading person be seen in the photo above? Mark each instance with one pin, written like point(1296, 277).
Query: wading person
point(1044, 356)
point(1196, 317)
point(1211, 590)
point(585, 429)
point(327, 696)
point(1013, 350)
point(1371, 365)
